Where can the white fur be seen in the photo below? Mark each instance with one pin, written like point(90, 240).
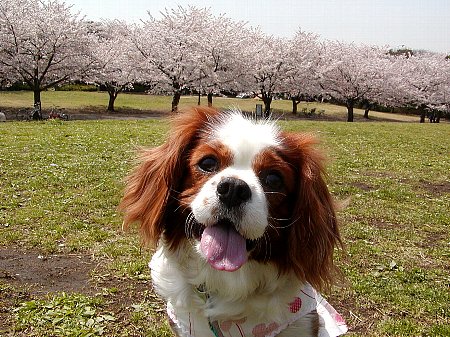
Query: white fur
point(245, 139)
point(255, 291)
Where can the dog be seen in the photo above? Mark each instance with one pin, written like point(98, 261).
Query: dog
point(244, 224)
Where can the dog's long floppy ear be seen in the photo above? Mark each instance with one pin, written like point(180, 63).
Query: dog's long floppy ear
point(314, 231)
point(150, 185)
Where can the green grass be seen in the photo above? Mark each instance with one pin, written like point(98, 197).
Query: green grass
point(97, 102)
point(85, 316)
point(62, 315)
point(84, 100)
point(61, 183)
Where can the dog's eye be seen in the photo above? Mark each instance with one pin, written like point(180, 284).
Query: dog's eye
point(208, 164)
point(273, 180)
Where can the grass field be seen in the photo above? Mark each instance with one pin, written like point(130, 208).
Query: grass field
point(61, 182)
point(139, 103)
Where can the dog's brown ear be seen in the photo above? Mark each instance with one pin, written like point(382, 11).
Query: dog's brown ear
point(152, 183)
point(314, 231)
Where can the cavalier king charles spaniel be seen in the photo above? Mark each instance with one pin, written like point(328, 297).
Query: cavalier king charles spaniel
point(245, 227)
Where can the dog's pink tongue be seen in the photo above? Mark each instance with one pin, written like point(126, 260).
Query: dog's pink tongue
point(224, 248)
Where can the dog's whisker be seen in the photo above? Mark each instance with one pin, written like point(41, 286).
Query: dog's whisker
point(180, 206)
point(187, 222)
point(174, 197)
point(189, 225)
point(285, 226)
point(267, 246)
point(277, 219)
point(274, 192)
point(282, 227)
point(271, 225)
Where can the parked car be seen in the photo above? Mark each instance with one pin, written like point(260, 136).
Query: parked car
point(244, 95)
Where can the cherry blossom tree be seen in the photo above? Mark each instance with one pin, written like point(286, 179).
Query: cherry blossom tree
point(421, 81)
point(302, 80)
point(190, 48)
point(171, 47)
point(445, 108)
point(352, 73)
point(43, 43)
point(225, 55)
point(268, 67)
point(115, 61)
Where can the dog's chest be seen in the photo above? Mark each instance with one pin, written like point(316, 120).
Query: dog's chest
point(254, 301)
point(255, 292)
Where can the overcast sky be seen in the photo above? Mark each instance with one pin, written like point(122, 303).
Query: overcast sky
point(416, 24)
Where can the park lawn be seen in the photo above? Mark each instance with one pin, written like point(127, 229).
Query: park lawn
point(140, 103)
point(61, 183)
point(124, 101)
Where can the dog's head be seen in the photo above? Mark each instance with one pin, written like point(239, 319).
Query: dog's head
point(241, 190)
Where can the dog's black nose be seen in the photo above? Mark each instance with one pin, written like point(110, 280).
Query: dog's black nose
point(233, 191)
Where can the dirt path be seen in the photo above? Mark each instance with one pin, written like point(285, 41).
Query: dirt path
point(27, 275)
point(128, 114)
point(45, 274)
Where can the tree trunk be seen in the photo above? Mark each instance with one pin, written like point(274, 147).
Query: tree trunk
point(267, 99)
point(176, 100)
point(267, 104)
point(350, 105)
point(210, 99)
point(422, 116)
point(37, 96)
point(366, 106)
point(199, 98)
point(366, 113)
point(37, 112)
point(112, 98)
point(295, 103)
point(37, 89)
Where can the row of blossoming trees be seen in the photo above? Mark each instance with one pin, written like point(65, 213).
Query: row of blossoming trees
point(44, 44)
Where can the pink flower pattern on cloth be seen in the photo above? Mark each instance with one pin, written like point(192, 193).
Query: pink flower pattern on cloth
point(308, 300)
point(295, 305)
point(262, 330)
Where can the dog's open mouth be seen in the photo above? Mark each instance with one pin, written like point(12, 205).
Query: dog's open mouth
point(224, 248)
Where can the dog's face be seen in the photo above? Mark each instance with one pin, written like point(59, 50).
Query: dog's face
point(239, 190)
point(236, 180)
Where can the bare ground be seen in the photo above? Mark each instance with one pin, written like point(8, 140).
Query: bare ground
point(45, 273)
point(33, 275)
point(26, 275)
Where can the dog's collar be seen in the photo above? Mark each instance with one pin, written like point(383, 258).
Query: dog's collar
point(204, 295)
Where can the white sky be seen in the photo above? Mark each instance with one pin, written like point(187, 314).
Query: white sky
point(416, 24)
